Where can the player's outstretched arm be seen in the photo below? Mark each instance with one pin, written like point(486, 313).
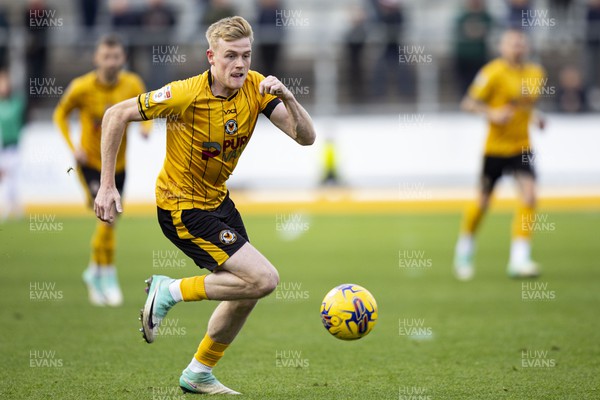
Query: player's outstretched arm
point(67, 103)
point(498, 116)
point(469, 104)
point(290, 117)
point(61, 119)
point(114, 123)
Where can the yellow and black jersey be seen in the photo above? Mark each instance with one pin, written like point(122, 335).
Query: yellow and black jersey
point(92, 98)
point(206, 135)
point(500, 84)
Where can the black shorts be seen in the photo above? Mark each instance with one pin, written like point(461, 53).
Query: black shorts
point(90, 179)
point(495, 167)
point(207, 237)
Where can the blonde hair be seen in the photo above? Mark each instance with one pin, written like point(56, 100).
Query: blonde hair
point(229, 29)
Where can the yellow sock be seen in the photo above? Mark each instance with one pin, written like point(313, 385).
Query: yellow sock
point(103, 244)
point(96, 243)
point(210, 352)
point(471, 219)
point(524, 222)
point(192, 289)
point(109, 244)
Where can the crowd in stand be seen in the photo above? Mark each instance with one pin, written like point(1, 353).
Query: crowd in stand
point(378, 77)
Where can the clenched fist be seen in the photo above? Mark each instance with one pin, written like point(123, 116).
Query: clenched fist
point(272, 85)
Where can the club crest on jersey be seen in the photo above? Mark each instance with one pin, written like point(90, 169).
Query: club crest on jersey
point(227, 237)
point(162, 94)
point(231, 127)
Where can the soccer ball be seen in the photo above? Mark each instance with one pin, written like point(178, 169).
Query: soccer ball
point(349, 311)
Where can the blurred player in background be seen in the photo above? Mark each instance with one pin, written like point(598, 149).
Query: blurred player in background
point(12, 112)
point(330, 171)
point(210, 119)
point(92, 94)
point(505, 92)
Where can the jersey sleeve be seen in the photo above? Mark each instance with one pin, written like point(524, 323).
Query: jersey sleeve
point(140, 87)
point(172, 99)
point(270, 107)
point(482, 85)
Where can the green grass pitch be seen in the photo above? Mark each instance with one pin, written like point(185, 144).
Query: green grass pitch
point(436, 338)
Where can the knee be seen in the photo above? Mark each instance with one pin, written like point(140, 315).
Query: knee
point(483, 205)
point(531, 203)
point(267, 282)
point(530, 200)
point(484, 202)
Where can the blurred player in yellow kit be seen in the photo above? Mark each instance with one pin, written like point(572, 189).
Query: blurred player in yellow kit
point(330, 174)
point(92, 94)
point(210, 120)
point(505, 92)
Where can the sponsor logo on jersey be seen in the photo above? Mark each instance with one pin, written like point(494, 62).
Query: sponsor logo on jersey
point(232, 148)
point(162, 94)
